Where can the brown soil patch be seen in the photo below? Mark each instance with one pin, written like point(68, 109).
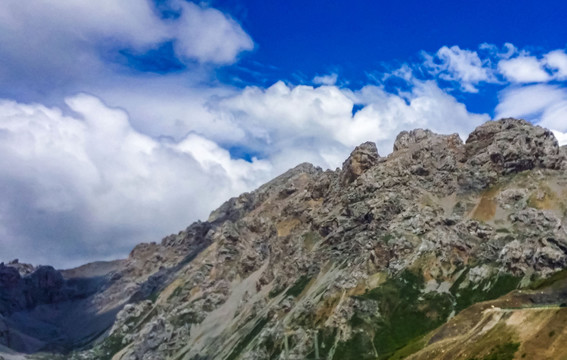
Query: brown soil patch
point(544, 199)
point(166, 293)
point(326, 310)
point(547, 341)
point(485, 209)
point(284, 227)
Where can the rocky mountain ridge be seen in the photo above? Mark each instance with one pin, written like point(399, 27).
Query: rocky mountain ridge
point(358, 263)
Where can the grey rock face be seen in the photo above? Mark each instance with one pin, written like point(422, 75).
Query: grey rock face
point(42, 286)
point(509, 146)
point(362, 158)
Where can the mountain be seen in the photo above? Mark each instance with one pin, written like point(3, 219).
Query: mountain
point(441, 250)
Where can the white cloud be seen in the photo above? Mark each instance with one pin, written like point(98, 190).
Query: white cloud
point(50, 44)
point(170, 107)
point(561, 137)
point(209, 35)
point(528, 100)
point(330, 79)
point(523, 69)
point(319, 121)
point(506, 52)
point(460, 65)
point(546, 104)
point(555, 116)
point(492, 64)
point(78, 189)
point(557, 62)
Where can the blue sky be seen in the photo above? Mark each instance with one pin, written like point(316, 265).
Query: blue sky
point(121, 122)
point(355, 37)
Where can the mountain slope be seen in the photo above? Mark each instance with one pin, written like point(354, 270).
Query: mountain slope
point(527, 324)
point(358, 263)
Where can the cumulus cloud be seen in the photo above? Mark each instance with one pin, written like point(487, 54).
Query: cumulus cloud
point(89, 186)
point(50, 44)
point(170, 107)
point(557, 62)
point(528, 100)
point(460, 65)
point(492, 64)
point(320, 122)
point(546, 104)
point(523, 69)
point(208, 35)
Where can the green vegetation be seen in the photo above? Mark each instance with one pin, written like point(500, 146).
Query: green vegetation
point(298, 286)
point(387, 238)
point(310, 239)
point(177, 292)
point(275, 292)
point(247, 339)
point(154, 296)
point(501, 352)
point(495, 287)
point(358, 347)
point(186, 318)
point(140, 321)
point(109, 347)
point(272, 347)
point(326, 337)
point(411, 348)
point(545, 282)
point(406, 313)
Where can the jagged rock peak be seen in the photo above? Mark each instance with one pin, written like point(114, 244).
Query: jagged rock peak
point(513, 145)
point(23, 269)
point(236, 207)
point(407, 139)
point(362, 158)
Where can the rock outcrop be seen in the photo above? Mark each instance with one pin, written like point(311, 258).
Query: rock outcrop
point(362, 158)
point(509, 146)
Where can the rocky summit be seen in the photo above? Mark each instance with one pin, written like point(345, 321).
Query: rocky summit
point(440, 250)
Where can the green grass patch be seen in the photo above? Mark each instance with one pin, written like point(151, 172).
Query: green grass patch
point(497, 286)
point(154, 296)
point(177, 292)
point(545, 282)
point(275, 292)
point(411, 348)
point(310, 239)
point(186, 318)
point(273, 348)
point(387, 238)
point(109, 347)
point(298, 286)
point(359, 347)
point(406, 313)
point(501, 352)
point(247, 339)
